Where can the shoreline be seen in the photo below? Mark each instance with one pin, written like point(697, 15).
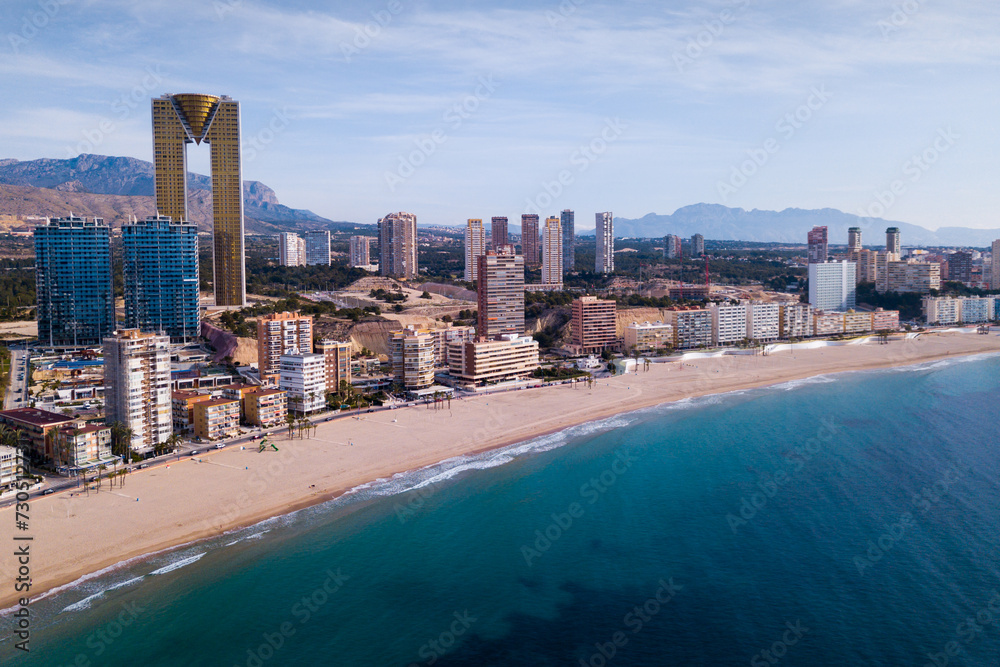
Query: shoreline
point(229, 490)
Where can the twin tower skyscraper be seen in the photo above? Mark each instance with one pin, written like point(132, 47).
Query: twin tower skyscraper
point(179, 120)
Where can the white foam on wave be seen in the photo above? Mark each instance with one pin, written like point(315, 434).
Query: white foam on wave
point(252, 536)
point(85, 602)
point(176, 565)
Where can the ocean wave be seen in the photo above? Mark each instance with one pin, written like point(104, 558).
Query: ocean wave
point(176, 565)
point(252, 536)
point(802, 382)
point(85, 602)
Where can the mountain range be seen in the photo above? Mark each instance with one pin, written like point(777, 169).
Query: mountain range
point(115, 188)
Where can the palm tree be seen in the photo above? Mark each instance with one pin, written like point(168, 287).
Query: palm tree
point(290, 420)
point(172, 443)
point(100, 471)
point(121, 440)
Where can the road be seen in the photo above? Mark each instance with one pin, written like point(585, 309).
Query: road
point(18, 388)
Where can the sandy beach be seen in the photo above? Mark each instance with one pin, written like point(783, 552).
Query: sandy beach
point(80, 534)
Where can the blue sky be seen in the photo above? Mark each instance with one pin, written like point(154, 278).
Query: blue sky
point(458, 109)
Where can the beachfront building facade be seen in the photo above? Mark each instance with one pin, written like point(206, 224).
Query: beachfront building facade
point(291, 249)
point(960, 310)
point(278, 334)
point(36, 429)
point(338, 363)
point(857, 322)
point(265, 407)
point(137, 386)
point(443, 338)
point(827, 324)
point(82, 448)
point(885, 320)
point(303, 378)
point(182, 409)
point(73, 287)
point(488, 362)
point(398, 246)
point(475, 246)
point(412, 352)
point(500, 294)
point(216, 419)
point(833, 285)
point(593, 325)
point(692, 326)
point(795, 320)
point(160, 266)
point(11, 467)
point(763, 321)
point(529, 240)
point(729, 323)
point(647, 337)
point(604, 258)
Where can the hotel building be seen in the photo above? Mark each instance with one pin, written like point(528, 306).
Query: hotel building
point(475, 246)
point(488, 362)
point(73, 284)
point(160, 262)
point(500, 295)
point(303, 377)
point(179, 120)
point(137, 386)
point(832, 285)
point(593, 325)
point(648, 336)
point(398, 246)
point(278, 334)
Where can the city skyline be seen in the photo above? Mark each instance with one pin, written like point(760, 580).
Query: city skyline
point(766, 110)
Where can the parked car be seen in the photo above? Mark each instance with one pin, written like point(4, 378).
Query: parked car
point(194, 453)
point(48, 491)
point(220, 446)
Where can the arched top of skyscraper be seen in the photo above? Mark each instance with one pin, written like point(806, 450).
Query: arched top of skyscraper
point(196, 112)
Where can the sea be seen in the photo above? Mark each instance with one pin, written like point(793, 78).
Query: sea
point(850, 519)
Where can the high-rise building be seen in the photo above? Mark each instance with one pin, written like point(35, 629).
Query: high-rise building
point(892, 241)
point(593, 325)
point(729, 323)
point(697, 245)
point(361, 251)
point(692, 327)
point(604, 259)
point(412, 353)
point(501, 295)
point(318, 247)
point(137, 386)
point(475, 246)
point(338, 363)
point(960, 266)
point(398, 245)
point(553, 252)
point(910, 276)
point(529, 239)
point(833, 285)
point(817, 245)
point(568, 241)
point(279, 334)
point(763, 321)
point(795, 320)
point(73, 282)
point(854, 239)
point(995, 266)
point(179, 120)
point(291, 249)
point(160, 262)
point(303, 377)
point(672, 247)
point(498, 231)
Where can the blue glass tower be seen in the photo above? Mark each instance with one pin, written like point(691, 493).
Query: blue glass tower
point(568, 241)
point(161, 277)
point(75, 294)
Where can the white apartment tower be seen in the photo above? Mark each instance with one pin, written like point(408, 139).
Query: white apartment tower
point(361, 251)
point(604, 260)
point(475, 245)
point(291, 249)
point(318, 247)
point(552, 251)
point(137, 386)
point(303, 377)
point(833, 285)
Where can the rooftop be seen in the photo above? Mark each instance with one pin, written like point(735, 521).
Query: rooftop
point(35, 416)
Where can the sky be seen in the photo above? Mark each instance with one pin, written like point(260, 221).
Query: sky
point(455, 110)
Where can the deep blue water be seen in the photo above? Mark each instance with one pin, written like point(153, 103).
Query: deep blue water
point(851, 520)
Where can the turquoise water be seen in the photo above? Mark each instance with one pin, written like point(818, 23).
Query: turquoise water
point(849, 520)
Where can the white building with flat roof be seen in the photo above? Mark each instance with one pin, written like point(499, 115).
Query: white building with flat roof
point(729, 323)
point(648, 336)
point(833, 285)
point(763, 321)
point(486, 362)
point(303, 377)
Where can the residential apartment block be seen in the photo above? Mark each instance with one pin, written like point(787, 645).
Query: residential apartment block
point(303, 377)
point(488, 362)
point(648, 336)
point(412, 352)
point(593, 325)
point(216, 419)
point(337, 356)
point(500, 295)
point(137, 386)
point(278, 334)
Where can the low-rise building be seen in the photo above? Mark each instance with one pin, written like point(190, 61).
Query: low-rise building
point(82, 448)
point(265, 407)
point(648, 336)
point(488, 362)
point(857, 322)
point(216, 419)
point(827, 324)
point(885, 320)
point(36, 428)
point(10, 467)
point(182, 407)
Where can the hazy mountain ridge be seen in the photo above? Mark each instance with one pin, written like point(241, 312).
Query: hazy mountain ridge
point(715, 221)
point(102, 176)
